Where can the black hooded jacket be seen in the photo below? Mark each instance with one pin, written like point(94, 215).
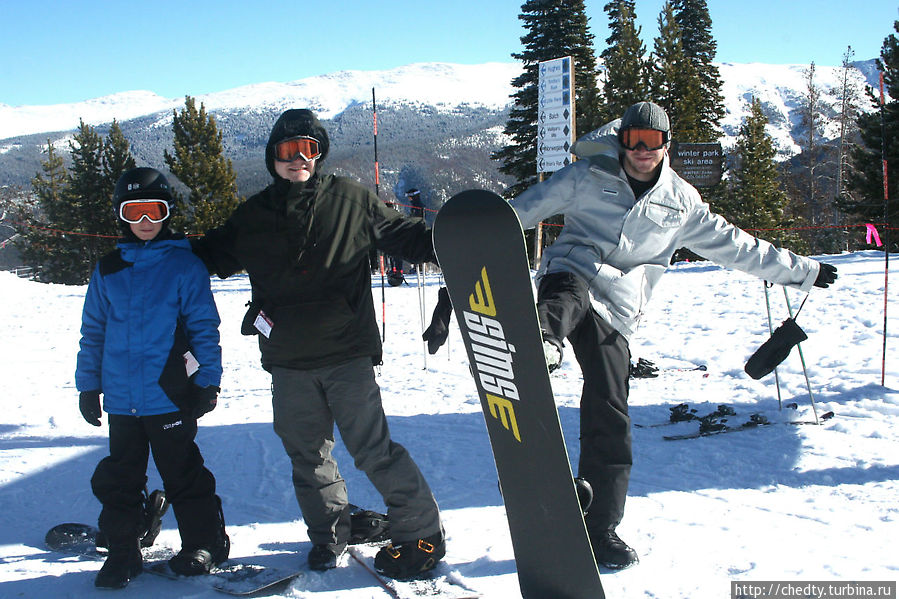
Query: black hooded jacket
point(306, 248)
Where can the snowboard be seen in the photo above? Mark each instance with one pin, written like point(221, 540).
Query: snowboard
point(233, 577)
point(481, 249)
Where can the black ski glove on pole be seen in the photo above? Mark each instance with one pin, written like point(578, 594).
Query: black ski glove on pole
point(775, 350)
point(204, 400)
point(438, 330)
point(827, 274)
point(89, 404)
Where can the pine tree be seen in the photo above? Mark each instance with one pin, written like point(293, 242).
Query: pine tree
point(42, 223)
point(879, 131)
point(555, 28)
point(674, 82)
point(70, 224)
point(199, 163)
point(117, 157)
point(88, 195)
point(756, 200)
point(692, 16)
point(625, 71)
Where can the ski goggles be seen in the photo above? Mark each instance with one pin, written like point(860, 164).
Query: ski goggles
point(133, 211)
point(303, 147)
point(651, 139)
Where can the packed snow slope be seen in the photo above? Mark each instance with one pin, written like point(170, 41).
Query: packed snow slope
point(781, 502)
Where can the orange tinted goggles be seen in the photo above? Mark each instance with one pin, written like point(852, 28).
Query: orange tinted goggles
point(133, 211)
point(303, 147)
point(650, 138)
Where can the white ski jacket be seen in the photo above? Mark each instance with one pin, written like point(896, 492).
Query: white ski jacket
point(621, 245)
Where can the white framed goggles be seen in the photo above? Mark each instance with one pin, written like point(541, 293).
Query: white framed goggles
point(134, 211)
point(303, 146)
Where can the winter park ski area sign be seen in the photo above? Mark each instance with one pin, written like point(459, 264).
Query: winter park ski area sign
point(555, 114)
point(701, 164)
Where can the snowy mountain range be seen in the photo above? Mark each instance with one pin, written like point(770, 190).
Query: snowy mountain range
point(438, 121)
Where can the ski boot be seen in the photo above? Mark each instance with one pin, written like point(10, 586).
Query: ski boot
point(194, 560)
point(411, 559)
point(610, 551)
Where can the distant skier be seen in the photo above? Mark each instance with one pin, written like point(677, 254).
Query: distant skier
point(626, 212)
point(416, 207)
point(148, 302)
point(305, 242)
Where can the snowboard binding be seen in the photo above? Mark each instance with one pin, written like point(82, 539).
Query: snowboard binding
point(367, 526)
point(155, 507)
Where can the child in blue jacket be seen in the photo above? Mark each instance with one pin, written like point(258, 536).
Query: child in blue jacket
point(148, 304)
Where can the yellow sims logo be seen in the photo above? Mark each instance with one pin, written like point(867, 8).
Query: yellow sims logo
point(492, 355)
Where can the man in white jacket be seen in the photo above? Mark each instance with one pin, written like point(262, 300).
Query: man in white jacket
point(626, 213)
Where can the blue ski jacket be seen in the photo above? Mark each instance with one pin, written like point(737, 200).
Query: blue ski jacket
point(137, 296)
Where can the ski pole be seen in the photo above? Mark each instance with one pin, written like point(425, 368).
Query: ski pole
point(421, 311)
point(765, 284)
point(374, 114)
point(886, 247)
point(802, 358)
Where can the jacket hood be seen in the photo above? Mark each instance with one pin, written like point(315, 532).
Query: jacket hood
point(291, 123)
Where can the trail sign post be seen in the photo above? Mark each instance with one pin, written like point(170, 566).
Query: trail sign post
point(555, 114)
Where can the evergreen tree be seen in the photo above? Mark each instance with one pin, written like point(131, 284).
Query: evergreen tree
point(692, 16)
point(756, 200)
point(88, 195)
point(879, 131)
point(199, 163)
point(117, 158)
point(674, 82)
point(42, 224)
point(70, 224)
point(555, 28)
point(625, 72)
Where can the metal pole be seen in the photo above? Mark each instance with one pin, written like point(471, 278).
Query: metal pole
point(420, 268)
point(374, 112)
point(802, 359)
point(886, 214)
point(771, 332)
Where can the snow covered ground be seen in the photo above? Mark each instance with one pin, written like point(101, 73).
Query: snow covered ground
point(793, 503)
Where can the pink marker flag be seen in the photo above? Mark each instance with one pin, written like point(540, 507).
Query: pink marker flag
point(872, 233)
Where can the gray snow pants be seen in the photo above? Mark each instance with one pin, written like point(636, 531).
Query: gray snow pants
point(307, 404)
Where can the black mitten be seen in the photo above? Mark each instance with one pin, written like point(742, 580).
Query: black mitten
point(438, 330)
point(89, 404)
point(775, 350)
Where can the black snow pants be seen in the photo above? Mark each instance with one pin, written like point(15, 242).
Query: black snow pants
point(119, 478)
point(564, 309)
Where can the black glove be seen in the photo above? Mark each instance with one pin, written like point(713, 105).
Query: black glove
point(203, 399)
point(827, 274)
point(775, 350)
point(438, 331)
point(89, 404)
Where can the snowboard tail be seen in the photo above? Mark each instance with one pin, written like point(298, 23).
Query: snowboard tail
point(481, 250)
point(233, 577)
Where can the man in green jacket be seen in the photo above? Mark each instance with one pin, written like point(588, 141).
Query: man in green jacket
point(305, 242)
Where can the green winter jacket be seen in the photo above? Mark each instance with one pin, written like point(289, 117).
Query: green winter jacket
point(306, 248)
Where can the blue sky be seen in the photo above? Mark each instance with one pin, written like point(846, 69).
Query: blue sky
point(67, 51)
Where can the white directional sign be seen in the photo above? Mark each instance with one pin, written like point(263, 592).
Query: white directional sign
point(555, 114)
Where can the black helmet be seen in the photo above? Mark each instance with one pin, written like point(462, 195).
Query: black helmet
point(141, 183)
